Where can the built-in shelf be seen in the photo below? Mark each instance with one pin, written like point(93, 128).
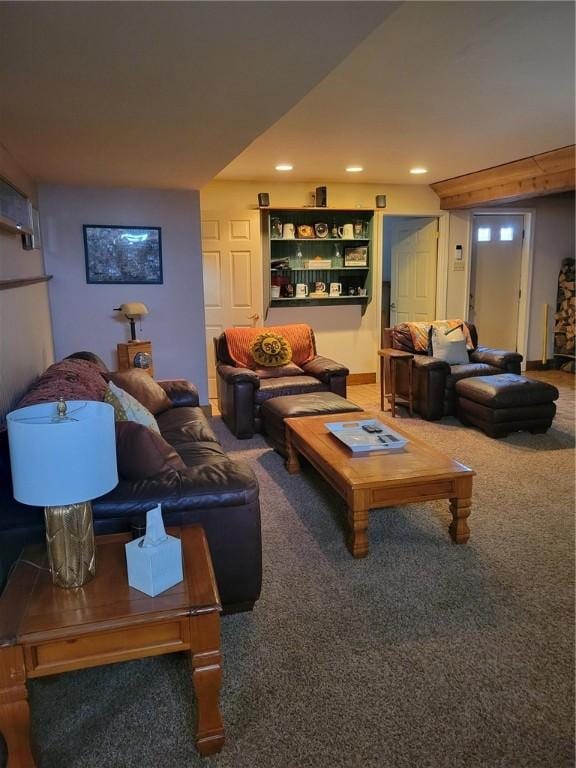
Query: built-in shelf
point(19, 282)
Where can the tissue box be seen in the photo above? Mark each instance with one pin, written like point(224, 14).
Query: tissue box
point(154, 569)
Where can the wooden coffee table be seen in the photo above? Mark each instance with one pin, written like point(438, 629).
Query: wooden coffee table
point(417, 473)
point(46, 630)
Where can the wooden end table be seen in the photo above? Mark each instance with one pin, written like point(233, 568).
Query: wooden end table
point(392, 357)
point(46, 630)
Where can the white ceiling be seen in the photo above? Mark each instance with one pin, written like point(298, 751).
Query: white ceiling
point(169, 94)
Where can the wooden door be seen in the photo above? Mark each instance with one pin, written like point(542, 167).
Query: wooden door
point(231, 257)
point(413, 279)
point(495, 279)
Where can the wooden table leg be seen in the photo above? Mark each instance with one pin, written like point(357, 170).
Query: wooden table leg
point(382, 378)
point(393, 386)
point(357, 538)
point(410, 390)
point(207, 678)
point(292, 462)
point(14, 709)
point(460, 506)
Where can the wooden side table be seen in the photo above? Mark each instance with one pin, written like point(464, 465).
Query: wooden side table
point(392, 357)
point(45, 630)
point(135, 354)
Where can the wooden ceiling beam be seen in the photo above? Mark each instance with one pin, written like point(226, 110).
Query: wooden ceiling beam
point(534, 176)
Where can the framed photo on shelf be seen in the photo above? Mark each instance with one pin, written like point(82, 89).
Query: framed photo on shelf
point(122, 254)
point(356, 257)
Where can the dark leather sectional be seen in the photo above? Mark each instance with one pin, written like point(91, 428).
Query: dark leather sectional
point(215, 491)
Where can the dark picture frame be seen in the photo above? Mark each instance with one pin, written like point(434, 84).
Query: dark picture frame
point(129, 255)
point(356, 257)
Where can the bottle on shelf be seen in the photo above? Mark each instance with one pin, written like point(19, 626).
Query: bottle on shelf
point(337, 258)
point(299, 258)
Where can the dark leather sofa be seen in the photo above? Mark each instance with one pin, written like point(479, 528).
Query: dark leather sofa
point(434, 380)
point(215, 491)
point(241, 390)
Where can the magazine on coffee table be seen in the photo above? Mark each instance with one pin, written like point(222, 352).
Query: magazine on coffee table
point(367, 436)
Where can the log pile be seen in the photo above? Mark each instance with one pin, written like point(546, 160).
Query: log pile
point(565, 317)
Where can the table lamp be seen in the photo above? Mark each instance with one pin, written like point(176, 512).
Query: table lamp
point(63, 455)
point(132, 310)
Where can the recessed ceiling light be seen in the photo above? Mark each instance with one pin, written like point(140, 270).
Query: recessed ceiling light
point(284, 167)
point(354, 169)
point(417, 171)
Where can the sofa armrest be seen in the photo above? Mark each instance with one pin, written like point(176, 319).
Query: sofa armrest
point(426, 363)
point(324, 369)
point(233, 375)
point(499, 358)
point(180, 391)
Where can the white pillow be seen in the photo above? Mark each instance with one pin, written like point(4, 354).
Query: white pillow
point(451, 348)
point(133, 409)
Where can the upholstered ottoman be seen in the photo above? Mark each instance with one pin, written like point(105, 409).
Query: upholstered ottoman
point(274, 411)
point(506, 403)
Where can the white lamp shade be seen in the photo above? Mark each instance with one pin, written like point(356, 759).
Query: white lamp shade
point(58, 461)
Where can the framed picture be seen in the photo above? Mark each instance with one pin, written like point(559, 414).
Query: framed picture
point(356, 257)
point(122, 254)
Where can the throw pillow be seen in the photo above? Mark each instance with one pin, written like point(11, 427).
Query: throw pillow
point(142, 453)
point(290, 369)
point(451, 348)
point(271, 349)
point(143, 387)
point(129, 406)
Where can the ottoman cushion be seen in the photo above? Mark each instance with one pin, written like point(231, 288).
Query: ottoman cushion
point(277, 409)
point(506, 403)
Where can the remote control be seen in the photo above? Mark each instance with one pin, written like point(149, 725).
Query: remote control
point(371, 428)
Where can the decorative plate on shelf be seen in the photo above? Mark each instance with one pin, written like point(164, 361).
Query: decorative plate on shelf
point(305, 231)
point(321, 229)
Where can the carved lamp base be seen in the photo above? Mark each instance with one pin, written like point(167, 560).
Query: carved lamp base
point(70, 544)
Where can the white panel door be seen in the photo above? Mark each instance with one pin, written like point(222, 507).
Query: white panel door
point(413, 279)
point(495, 279)
point(232, 276)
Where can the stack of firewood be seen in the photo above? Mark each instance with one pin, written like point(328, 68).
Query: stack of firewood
point(565, 317)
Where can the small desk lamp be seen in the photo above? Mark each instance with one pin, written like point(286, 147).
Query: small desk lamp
point(63, 455)
point(132, 310)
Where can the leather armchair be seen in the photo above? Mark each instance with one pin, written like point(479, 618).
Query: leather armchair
point(241, 391)
point(434, 380)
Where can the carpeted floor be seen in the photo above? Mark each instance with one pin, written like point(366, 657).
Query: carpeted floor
point(423, 655)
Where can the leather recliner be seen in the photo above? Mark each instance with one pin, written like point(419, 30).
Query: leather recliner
point(241, 390)
point(434, 380)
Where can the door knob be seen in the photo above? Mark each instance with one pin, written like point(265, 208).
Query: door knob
point(255, 317)
point(393, 306)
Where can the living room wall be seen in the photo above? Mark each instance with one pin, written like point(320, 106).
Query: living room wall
point(83, 315)
point(342, 333)
point(25, 326)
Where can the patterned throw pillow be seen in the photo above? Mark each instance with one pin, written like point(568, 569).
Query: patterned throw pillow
point(271, 349)
point(127, 408)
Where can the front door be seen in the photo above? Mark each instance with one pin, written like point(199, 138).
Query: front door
point(413, 279)
point(495, 279)
point(232, 276)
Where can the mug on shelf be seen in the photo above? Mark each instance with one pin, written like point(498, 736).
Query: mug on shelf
point(346, 231)
point(335, 289)
point(275, 291)
point(319, 287)
point(301, 290)
point(358, 229)
point(362, 292)
point(288, 231)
